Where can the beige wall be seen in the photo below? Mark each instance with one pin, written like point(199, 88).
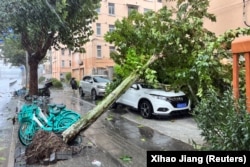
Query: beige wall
point(229, 14)
point(59, 69)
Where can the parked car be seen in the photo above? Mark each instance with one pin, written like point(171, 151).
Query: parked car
point(150, 101)
point(93, 85)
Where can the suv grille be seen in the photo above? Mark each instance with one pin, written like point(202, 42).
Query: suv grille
point(178, 99)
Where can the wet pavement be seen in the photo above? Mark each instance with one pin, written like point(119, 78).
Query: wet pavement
point(117, 134)
point(8, 109)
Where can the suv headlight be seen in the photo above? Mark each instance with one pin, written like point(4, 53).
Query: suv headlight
point(100, 87)
point(159, 97)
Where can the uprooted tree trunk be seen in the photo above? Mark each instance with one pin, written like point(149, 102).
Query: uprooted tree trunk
point(97, 111)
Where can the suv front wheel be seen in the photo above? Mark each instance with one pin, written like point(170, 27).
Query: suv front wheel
point(93, 94)
point(145, 109)
point(81, 92)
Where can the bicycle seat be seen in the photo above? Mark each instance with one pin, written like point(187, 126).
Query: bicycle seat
point(61, 106)
point(52, 105)
point(55, 111)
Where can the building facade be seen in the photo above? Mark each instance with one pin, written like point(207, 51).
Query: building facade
point(97, 59)
point(59, 63)
point(230, 14)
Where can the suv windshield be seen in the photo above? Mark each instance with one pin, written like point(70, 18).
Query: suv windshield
point(148, 86)
point(101, 79)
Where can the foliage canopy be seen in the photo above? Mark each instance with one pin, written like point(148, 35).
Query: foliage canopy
point(43, 24)
point(189, 56)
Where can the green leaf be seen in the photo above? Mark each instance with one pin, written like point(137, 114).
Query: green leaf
point(126, 158)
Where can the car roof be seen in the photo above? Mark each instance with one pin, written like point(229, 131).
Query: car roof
point(96, 75)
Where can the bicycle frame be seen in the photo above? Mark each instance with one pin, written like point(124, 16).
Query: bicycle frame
point(49, 122)
point(63, 111)
point(32, 118)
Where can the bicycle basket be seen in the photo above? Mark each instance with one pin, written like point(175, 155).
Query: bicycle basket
point(25, 115)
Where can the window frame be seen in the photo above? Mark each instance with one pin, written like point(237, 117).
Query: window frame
point(111, 8)
point(62, 63)
point(111, 27)
point(98, 29)
point(98, 51)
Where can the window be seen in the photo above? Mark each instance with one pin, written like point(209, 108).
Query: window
point(159, 0)
point(101, 71)
point(98, 10)
point(111, 8)
point(69, 52)
point(63, 63)
point(99, 51)
point(111, 49)
point(70, 63)
point(62, 51)
point(98, 29)
point(132, 8)
point(87, 78)
point(146, 10)
point(111, 28)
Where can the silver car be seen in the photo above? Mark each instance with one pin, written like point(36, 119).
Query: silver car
point(93, 85)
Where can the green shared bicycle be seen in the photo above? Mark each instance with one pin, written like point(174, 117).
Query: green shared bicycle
point(32, 118)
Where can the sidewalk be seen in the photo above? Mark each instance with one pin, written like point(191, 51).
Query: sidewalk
point(108, 140)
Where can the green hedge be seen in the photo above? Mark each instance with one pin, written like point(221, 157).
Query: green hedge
point(56, 83)
point(224, 126)
point(41, 79)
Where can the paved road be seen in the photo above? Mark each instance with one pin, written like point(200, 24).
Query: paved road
point(183, 127)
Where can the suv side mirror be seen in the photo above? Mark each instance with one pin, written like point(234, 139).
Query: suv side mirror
point(134, 86)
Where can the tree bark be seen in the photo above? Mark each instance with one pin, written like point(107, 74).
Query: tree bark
point(97, 111)
point(33, 80)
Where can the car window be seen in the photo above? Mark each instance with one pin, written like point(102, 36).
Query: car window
point(147, 86)
point(101, 79)
point(87, 78)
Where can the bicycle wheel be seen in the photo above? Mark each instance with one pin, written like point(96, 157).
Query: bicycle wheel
point(26, 132)
point(63, 124)
point(73, 115)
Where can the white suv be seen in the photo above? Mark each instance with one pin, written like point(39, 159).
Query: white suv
point(150, 101)
point(93, 85)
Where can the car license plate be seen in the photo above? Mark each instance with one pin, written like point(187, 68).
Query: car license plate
point(181, 105)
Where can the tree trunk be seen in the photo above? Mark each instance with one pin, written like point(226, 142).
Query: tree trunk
point(96, 112)
point(33, 80)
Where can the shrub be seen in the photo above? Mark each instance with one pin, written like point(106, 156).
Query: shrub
point(56, 83)
point(68, 76)
point(224, 125)
point(41, 79)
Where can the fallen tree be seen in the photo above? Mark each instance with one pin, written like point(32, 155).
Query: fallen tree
point(97, 111)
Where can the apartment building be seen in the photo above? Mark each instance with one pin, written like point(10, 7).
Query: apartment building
point(97, 59)
point(230, 14)
point(58, 64)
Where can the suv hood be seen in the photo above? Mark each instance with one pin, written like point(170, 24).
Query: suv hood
point(163, 93)
point(102, 83)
